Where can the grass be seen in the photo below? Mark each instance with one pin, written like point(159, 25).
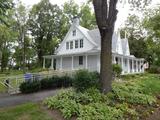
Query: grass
point(29, 111)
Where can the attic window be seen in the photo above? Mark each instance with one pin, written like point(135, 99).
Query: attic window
point(71, 45)
point(81, 43)
point(74, 33)
point(67, 45)
point(76, 43)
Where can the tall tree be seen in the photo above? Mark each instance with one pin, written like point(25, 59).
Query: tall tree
point(152, 26)
point(5, 5)
point(6, 42)
point(21, 17)
point(106, 14)
point(135, 33)
point(45, 25)
point(87, 17)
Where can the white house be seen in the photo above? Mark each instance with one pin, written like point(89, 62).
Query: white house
point(81, 48)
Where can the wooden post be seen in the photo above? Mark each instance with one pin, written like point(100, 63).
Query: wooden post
point(44, 63)
point(61, 62)
point(72, 63)
point(128, 65)
point(86, 61)
point(132, 66)
point(52, 61)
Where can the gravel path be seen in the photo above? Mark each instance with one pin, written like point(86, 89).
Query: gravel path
point(11, 100)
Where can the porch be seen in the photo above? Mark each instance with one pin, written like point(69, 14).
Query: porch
point(91, 61)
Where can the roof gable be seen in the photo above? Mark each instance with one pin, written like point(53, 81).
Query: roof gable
point(82, 33)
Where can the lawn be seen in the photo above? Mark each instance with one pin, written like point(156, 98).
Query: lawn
point(29, 111)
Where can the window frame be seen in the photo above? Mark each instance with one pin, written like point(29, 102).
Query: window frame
point(71, 45)
point(76, 44)
point(81, 43)
point(74, 32)
point(67, 45)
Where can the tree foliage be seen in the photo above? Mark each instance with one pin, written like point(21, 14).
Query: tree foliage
point(44, 23)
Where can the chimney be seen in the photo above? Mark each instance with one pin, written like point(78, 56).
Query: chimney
point(76, 21)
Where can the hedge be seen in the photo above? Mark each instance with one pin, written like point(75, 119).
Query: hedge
point(46, 83)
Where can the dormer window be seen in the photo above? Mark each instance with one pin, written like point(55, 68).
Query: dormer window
point(81, 43)
point(74, 33)
point(76, 43)
point(67, 45)
point(71, 45)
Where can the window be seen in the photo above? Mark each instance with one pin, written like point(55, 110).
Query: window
point(67, 45)
point(80, 60)
point(71, 45)
point(74, 32)
point(81, 43)
point(76, 43)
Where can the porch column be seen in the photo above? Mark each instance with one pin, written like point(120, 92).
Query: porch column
point(132, 66)
point(122, 64)
point(52, 61)
point(114, 59)
point(86, 62)
point(143, 66)
point(44, 63)
point(72, 62)
point(128, 66)
point(61, 61)
point(137, 66)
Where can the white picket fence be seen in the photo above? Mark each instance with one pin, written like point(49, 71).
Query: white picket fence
point(15, 81)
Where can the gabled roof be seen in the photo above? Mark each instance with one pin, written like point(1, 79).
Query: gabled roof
point(125, 47)
point(119, 46)
point(95, 35)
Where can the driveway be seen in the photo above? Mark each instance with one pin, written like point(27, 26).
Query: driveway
point(11, 100)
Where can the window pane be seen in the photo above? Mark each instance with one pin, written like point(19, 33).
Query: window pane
point(71, 45)
point(81, 43)
point(74, 32)
point(80, 60)
point(76, 43)
point(67, 45)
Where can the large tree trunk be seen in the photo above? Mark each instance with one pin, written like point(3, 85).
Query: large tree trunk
point(106, 60)
point(106, 14)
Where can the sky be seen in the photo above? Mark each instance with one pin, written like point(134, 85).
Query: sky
point(122, 14)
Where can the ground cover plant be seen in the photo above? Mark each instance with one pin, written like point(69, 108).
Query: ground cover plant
point(132, 98)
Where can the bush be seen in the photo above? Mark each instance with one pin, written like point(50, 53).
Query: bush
point(132, 94)
point(29, 87)
point(117, 70)
point(87, 106)
point(56, 82)
point(154, 69)
point(84, 79)
point(46, 83)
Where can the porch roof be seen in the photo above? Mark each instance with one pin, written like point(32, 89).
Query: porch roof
point(90, 52)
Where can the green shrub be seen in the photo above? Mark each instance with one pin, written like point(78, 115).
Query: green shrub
point(154, 69)
point(99, 111)
point(29, 87)
point(117, 70)
point(132, 94)
point(64, 103)
point(56, 82)
point(84, 79)
point(46, 83)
